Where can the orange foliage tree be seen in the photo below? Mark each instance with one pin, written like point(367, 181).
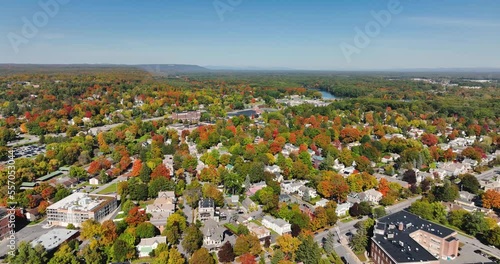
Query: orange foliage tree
point(136, 168)
point(491, 199)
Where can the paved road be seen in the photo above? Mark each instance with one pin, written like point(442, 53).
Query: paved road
point(27, 139)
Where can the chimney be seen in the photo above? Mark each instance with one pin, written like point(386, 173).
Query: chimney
point(400, 227)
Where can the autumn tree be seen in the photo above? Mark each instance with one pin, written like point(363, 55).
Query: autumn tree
point(90, 229)
point(247, 259)
point(175, 257)
point(160, 171)
point(429, 139)
point(201, 256)
point(109, 232)
point(383, 186)
point(288, 245)
point(247, 243)
point(135, 216)
point(226, 254)
point(491, 199)
point(136, 168)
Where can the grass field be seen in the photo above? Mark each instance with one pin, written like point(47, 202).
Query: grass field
point(110, 189)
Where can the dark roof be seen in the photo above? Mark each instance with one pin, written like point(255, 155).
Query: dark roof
point(398, 243)
point(206, 203)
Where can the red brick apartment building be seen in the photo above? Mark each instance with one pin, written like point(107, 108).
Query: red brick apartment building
point(403, 237)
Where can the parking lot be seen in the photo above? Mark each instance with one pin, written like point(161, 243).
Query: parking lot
point(467, 255)
point(28, 151)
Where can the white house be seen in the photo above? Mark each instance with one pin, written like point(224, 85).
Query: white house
point(343, 208)
point(94, 181)
point(371, 195)
point(147, 245)
point(289, 187)
point(321, 203)
point(279, 226)
point(310, 191)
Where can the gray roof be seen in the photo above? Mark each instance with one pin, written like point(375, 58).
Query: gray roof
point(151, 241)
point(54, 238)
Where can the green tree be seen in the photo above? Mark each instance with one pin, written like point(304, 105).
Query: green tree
point(493, 237)
point(475, 224)
point(308, 252)
point(61, 193)
point(379, 212)
point(145, 173)
point(470, 183)
point(329, 242)
point(192, 239)
point(122, 251)
point(176, 224)
point(456, 217)
point(146, 230)
point(64, 255)
point(277, 256)
point(25, 254)
point(359, 241)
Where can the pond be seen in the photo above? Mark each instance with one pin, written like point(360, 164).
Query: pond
point(327, 95)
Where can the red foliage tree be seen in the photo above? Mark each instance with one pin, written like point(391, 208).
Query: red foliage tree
point(160, 171)
point(429, 139)
point(136, 216)
point(247, 259)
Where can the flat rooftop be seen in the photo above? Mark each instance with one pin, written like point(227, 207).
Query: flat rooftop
point(80, 201)
point(398, 243)
point(54, 238)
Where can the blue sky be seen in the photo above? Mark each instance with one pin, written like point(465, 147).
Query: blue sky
point(260, 33)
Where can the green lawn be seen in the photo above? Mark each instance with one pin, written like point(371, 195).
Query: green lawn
point(37, 221)
point(232, 227)
point(346, 220)
point(110, 189)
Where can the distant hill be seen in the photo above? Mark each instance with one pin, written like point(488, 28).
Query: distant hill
point(167, 69)
point(155, 69)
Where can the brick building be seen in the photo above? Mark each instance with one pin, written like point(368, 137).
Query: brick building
point(403, 237)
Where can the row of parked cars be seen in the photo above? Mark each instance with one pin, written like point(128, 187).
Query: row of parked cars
point(28, 151)
point(486, 255)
